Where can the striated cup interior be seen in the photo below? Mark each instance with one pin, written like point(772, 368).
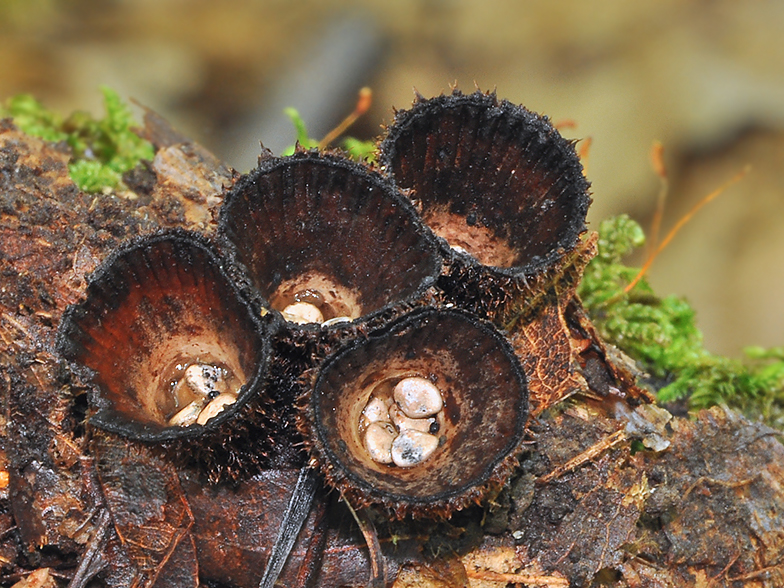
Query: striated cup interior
point(493, 179)
point(485, 405)
point(154, 308)
point(325, 229)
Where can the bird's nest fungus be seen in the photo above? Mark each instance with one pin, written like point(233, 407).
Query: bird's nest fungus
point(409, 398)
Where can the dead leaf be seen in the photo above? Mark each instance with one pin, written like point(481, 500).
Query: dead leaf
point(38, 579)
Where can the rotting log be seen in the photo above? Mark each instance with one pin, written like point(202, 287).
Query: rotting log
point(610, 489)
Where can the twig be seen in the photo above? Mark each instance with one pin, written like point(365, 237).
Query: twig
point(293, 519)
point(723, 572)
point(657, 157)
point(363, 105)
point(731, 485)
point(679, 225)
point(81, 577)
point(378, 565)
point(528, 580)
point(587, 455)
point(584, 151)
point(760, 573)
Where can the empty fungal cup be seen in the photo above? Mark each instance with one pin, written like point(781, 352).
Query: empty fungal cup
point(169, 341)
point(327, 240)
point(464, 404)
point(497, 182)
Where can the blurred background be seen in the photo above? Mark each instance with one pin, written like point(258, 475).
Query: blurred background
point(704, 77)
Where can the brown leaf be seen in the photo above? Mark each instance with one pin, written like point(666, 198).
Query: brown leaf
point(448, 572)
point(542, 339)
point(235, 528)
point(151, 515)
point(543, 346)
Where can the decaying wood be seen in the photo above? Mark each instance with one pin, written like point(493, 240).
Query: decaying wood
point(607, 492)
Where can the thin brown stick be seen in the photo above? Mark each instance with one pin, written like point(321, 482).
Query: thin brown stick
point(760, 573)
point(587, 455)
point(567, 123)
point(17, 324)
point(528, 580)
point(723, 572)
point(724, 483)
point(584, 151)
point(82, 575)
point(378, 565)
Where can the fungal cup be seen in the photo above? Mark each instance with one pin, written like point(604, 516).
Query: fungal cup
point(327, 240)
point(476, 429)
point(497, 182)
point(167, 338)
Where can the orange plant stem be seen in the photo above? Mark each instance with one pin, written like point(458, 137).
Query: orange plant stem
point(679, 225)
point(363, 105)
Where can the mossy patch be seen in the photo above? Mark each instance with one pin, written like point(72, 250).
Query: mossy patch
point(103, 149)
point(662, 334)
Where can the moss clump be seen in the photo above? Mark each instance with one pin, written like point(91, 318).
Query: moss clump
point(356, 149)
point(360, 150)
point(103, 149)
point(661, 333)
point(302, 137)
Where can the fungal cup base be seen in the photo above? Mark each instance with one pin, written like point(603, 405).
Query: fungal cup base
point(478, 241)
point(331, 298)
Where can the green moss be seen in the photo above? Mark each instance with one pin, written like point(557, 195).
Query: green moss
point(301, 130)
point(360, 150)
point(32, 118)
point(661, 333)
point(356, 149)
point(103, 149)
